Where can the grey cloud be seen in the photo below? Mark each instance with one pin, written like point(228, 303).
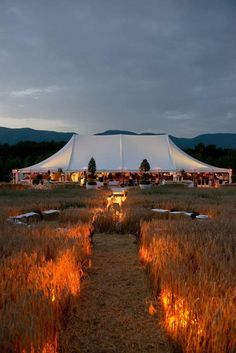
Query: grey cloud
point(162, 66)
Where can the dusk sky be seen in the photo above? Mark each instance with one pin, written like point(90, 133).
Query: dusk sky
point(146, 66)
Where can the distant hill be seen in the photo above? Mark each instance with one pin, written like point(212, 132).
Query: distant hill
point(124, 132)
point(224, 140)
point(12, 136)
point(116, 132)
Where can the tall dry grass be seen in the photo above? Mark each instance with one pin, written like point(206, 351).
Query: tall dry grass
point(192, 269)
point(121, 221)
point(191, 263)
point(40, 275)
point(124, 221)
point(14, 202)
point(209, 201)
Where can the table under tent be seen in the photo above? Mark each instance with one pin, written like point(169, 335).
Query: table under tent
point(118, 158)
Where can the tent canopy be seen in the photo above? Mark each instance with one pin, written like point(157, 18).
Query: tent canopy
point(122, 153)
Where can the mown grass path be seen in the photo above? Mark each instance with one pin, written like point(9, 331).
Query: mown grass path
point(112, 314)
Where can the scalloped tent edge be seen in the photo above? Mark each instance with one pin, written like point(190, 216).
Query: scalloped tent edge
point(117, 153)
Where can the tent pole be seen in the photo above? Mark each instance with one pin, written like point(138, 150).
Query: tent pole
point(230, 176)
point(14, 176)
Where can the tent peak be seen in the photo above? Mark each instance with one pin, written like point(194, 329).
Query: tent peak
point(122, 152)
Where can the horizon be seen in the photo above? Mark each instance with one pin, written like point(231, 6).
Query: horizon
point(108, 130)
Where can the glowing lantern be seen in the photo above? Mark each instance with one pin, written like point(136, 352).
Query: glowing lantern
point(117, 198)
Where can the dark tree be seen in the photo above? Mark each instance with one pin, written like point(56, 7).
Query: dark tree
point(24, 154)
point(92, 167)
point(144, 166)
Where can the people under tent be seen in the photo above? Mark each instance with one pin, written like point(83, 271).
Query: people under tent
point(118, 159)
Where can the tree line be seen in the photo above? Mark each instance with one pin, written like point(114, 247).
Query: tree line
point(26, 153)
point(216, 156)
point(23, 154)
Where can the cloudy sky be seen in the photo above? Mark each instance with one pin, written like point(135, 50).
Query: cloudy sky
point(141, 65)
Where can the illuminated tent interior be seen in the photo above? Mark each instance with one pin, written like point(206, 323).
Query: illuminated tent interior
point(116, 153)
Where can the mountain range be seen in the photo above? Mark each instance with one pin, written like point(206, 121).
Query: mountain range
point(13, 136)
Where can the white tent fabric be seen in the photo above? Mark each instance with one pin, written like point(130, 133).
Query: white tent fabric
point(122, 153)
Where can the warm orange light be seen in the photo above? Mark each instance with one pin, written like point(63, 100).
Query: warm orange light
point(152, 310)
point(177, 314)
point(171, 322)
point(145, 255)
point(116, 198)
point(53, 296)
point(165, 301)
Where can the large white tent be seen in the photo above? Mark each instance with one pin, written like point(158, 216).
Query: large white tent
point(116, 153)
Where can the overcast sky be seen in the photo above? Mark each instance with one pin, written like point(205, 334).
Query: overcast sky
point(141, 65)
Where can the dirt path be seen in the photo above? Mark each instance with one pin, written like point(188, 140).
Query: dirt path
point(112, 316)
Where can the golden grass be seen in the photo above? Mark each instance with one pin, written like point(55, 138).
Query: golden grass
point(40, 274)
point(14, 202)
point(192, 268)
point(191, 263)
point(125, 221)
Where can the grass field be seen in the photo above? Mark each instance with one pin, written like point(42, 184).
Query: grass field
point(191, 263)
